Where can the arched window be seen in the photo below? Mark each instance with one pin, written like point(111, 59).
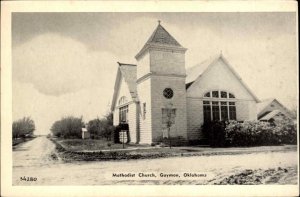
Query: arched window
point(219, 105)
point(122, 100)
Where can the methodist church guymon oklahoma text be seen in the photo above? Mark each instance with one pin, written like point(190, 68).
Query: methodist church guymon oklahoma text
point(159, 84)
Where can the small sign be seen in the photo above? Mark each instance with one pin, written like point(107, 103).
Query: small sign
point(123, 136)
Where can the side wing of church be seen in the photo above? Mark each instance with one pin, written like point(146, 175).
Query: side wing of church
point(159, 89)
point(271, 109)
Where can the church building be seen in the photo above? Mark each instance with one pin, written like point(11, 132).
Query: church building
point(159, 90)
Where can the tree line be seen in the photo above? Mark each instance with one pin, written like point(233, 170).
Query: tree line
point(71, 127)
point(22, 128)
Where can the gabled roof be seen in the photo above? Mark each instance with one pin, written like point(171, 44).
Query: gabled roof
point(263, 104)
point(160, 37)
point(195, 72)
point(128, 72)
point(270, 115)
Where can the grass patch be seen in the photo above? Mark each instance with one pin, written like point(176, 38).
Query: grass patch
point(96, 150)
point(74, 150)
point(91, 144)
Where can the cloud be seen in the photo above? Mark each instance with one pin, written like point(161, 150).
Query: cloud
point(56, 76)
point(57, 65)
point(88, 103)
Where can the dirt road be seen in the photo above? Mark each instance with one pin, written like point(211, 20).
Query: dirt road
point(34, 153)
point(33, 159)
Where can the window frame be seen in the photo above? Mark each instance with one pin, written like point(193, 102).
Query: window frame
point(218, 104)
point(123, 114)
point(168, 93)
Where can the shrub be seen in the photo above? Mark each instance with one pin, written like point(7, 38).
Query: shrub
point(250, 133)
point(287, 130)
point(68, 127)
point(102, 128)
point(256, 133)
point(214, 132)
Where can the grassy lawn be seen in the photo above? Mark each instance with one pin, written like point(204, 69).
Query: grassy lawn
point(78, 145)
point(93, 150)
point(92, 144)
point(96, 150)
point(87, 144)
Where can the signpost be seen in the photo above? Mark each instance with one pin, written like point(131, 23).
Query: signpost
point(123, 137)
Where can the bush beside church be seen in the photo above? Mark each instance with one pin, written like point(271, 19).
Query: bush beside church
point(250, 133)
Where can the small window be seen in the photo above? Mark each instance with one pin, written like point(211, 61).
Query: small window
point(232, 112)
point(206, 102)
point(168, 93)
point(223, 94)
point(207, 94)
point(224, 112)
point(231, 95)
point(215, 103)
point(215, 94)
point(206, 111)
point(215, 111)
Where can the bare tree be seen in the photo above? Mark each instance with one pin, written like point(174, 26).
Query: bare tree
point(23, 127)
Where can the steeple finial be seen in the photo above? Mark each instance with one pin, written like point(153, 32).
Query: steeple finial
point(158, 22)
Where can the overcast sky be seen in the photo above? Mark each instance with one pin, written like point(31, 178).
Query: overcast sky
point(66, 63)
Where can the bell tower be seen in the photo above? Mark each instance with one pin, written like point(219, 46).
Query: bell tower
point(161, 87)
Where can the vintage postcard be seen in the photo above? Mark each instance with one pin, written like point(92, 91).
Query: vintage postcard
point(153, 98)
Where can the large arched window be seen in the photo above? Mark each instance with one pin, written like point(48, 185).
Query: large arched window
point(219, 105)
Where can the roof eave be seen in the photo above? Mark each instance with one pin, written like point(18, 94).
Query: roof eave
point(149, 46)
point(125, 64)
point(116, 87)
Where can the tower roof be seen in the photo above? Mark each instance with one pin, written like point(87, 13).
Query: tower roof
point(160, 37)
